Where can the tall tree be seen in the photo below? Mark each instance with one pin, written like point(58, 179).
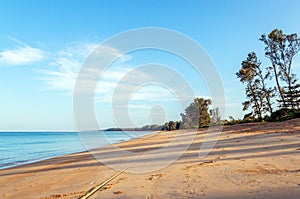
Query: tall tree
point(281, 49)
point(257, 93)
point(292, 95)
point(266, 92)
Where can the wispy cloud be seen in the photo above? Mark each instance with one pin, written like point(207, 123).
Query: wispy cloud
point(66, 64)
point(149, 93)
point(153, 93)
point(21, 56)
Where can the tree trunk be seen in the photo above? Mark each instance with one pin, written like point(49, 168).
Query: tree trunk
point(278, 85)
point(267, 94)
point(291, 94)
point(256, 104)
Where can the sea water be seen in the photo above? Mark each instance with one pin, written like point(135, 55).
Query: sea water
point(17, 148)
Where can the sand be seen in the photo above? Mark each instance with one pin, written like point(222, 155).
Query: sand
point(248, 161)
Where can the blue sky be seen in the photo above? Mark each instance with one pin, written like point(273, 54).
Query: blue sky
point(44, 43)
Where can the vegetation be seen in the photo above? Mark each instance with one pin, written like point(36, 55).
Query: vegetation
point(153, 127)
point(215, 116)
point(257, 93)
point(281, 49)
point(283, 114)
point(171, 125)
point(196, 114)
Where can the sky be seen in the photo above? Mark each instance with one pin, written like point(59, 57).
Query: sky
point(44, 44)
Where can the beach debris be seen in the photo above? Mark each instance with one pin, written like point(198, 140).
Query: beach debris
point(102, 185)
point(119, 192)
point(199, 164)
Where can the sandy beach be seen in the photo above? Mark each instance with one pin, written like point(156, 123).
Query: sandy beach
point(258, 160)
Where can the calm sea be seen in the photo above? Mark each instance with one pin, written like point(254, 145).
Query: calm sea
point(17, 148)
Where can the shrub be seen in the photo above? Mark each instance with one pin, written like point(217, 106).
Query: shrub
point(283, 114)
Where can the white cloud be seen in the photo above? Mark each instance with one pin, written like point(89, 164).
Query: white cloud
point(149, 93)
point(153, 93)
point(21, 56)
point(66, 65)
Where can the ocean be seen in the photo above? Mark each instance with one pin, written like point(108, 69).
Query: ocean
point(18, 148)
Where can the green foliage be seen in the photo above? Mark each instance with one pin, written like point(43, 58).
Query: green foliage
point(204, 117)
point(196, 114)
point(257, 93)
point(292, 96)
point(191, 115)
point(279, 115)
point(153, 127)
point(281, 49)
point(248, 116)
point(233, 121)
point(283, 114)
point(171, 125)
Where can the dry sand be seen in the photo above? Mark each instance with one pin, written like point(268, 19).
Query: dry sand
point(248, 161)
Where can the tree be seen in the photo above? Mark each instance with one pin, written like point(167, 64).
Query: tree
point(191, 116)
point(266, 92)
point(292, 95)
point(184, 121)
point(215, 116)
point(259, 95)
point(247, 75)
point(196, 114)
point(171, 125)
point(281, 50)
point(204, 118)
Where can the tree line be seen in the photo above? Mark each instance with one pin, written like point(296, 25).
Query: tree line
point(275, 84)
point(272, 92)
point(196, 115)
point(265, 88)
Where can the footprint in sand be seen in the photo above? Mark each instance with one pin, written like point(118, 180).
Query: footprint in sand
point(150, 197)
point(155, 177)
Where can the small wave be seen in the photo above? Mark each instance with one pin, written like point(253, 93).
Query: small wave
point(32, 143)
point(11, 164)
point(1, 159)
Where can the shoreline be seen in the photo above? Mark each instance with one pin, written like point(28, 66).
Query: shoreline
point(65, 154)
point(249, 160)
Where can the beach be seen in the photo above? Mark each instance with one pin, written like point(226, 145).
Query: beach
point(255, 160)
